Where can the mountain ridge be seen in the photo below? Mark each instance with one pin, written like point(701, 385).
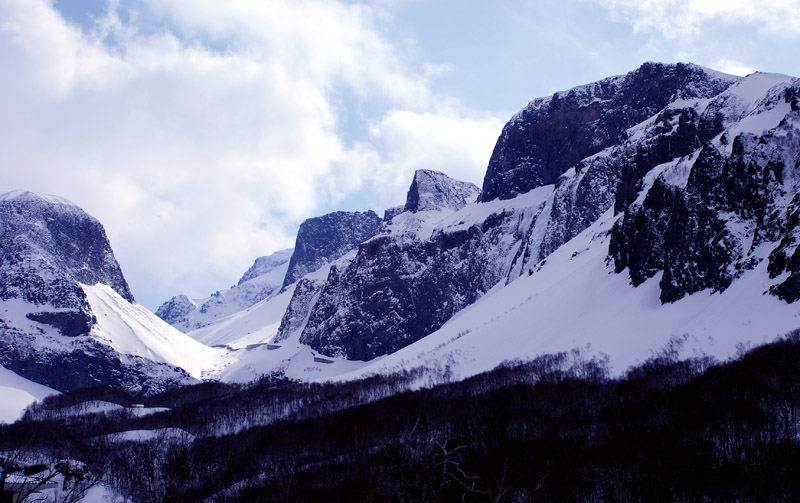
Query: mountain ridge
point(674, 194)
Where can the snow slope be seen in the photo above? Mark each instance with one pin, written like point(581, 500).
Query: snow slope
point(133, 330)
point(249, 339)
point(255, 325)
point(16, 393)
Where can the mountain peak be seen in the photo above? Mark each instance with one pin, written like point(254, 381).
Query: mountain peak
point(58, 235)
point(433, 190)
point(266, 264)
point(553, 134)
point(27, 195)
point(321, 240)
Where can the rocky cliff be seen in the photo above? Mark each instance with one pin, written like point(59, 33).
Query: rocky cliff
point(51, 253)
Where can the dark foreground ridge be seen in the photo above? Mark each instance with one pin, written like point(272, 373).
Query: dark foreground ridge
point(553, 429)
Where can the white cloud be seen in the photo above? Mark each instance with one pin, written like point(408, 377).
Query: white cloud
point(681, 18)
point(733, 67)
point(200, 144)
point(443, 141)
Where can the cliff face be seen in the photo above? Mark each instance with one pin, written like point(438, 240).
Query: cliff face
point(554, 134)
point(709, 218)
point(48, 247)
point(51, 252)
point(322, 240)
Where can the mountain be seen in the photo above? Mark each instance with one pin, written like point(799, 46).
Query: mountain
point(554, 134)
point(682, 234)
point(261, 280)
point(68, 317)
point(404, 285)
point(677, 220)
point(321, 240)
point(375, 292)
point(682, 172)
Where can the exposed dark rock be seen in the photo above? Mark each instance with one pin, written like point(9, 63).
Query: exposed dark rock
point(174, 310)
point(304, 297)
point(398, 289)
point(553, 134)
point(322, 240)
point(392, 212)
point(84, 363)
point(38, 231)
point(69, 323)
point(685, 231)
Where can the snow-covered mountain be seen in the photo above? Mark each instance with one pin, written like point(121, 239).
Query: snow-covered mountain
point(261, 280)
point(641, 210)
point(67, 316)
point(406, 280)
point(699, 167)
point(658, 207)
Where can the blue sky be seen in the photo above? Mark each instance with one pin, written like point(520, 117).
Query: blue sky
point(201, 133)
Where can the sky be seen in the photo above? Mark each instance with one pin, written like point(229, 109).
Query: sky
point(201, 133)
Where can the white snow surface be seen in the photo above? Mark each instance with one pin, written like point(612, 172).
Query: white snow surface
point(102, 407)
point(133, 330)
point(161, 434)
point(16, 393)
point(255, 325)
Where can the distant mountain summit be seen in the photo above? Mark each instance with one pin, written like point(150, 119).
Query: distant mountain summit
point(267, 265)
point(263, 279)
point(432, 190)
